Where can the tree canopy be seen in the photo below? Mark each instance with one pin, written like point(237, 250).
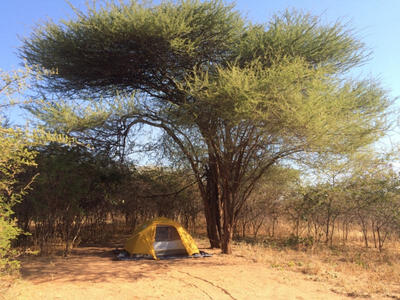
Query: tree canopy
point(234, 97)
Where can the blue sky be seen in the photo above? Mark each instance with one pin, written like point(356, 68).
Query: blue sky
point(376, 22)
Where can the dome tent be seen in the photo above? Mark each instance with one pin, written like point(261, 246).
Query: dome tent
point(161, 237)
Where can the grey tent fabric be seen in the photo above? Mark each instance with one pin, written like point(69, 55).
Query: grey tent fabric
point(168, 242)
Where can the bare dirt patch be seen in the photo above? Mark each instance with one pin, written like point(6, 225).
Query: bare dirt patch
point(92, 273)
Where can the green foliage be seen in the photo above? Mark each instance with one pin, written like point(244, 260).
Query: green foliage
point(295, 241)
point(294, 34)
point(304, 106)
point(8, 232)
point(163, 38)
point(16, 157)
point(73, 185)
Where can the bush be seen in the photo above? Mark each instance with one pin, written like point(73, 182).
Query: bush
point(8, 232)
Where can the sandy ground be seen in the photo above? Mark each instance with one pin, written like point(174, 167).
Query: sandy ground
point(91, 273)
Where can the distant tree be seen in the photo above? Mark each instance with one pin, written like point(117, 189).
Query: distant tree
point(235, 98)
point(267, 203)
point(373, 192)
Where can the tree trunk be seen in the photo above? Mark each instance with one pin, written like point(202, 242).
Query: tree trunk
point(226, 240)
point(380, 243)
point(364, 229)
point(328, 224)
point(332, 231)
point(274, 221)
point(373, 233)
point(66, 239)
point(212, 207)
point(297, 227)
point(227, 234)
point(212, 231)
point(229, 220)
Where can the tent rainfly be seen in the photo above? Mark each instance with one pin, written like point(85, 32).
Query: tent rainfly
point(161, 237)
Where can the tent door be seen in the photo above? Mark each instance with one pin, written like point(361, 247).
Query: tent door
point(168, 241)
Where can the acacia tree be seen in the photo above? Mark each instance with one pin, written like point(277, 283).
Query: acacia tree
point(235, 98)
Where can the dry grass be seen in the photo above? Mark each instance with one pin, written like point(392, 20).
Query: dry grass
point(352, 269)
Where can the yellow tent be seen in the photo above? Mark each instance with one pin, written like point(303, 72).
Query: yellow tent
point(161, 236)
